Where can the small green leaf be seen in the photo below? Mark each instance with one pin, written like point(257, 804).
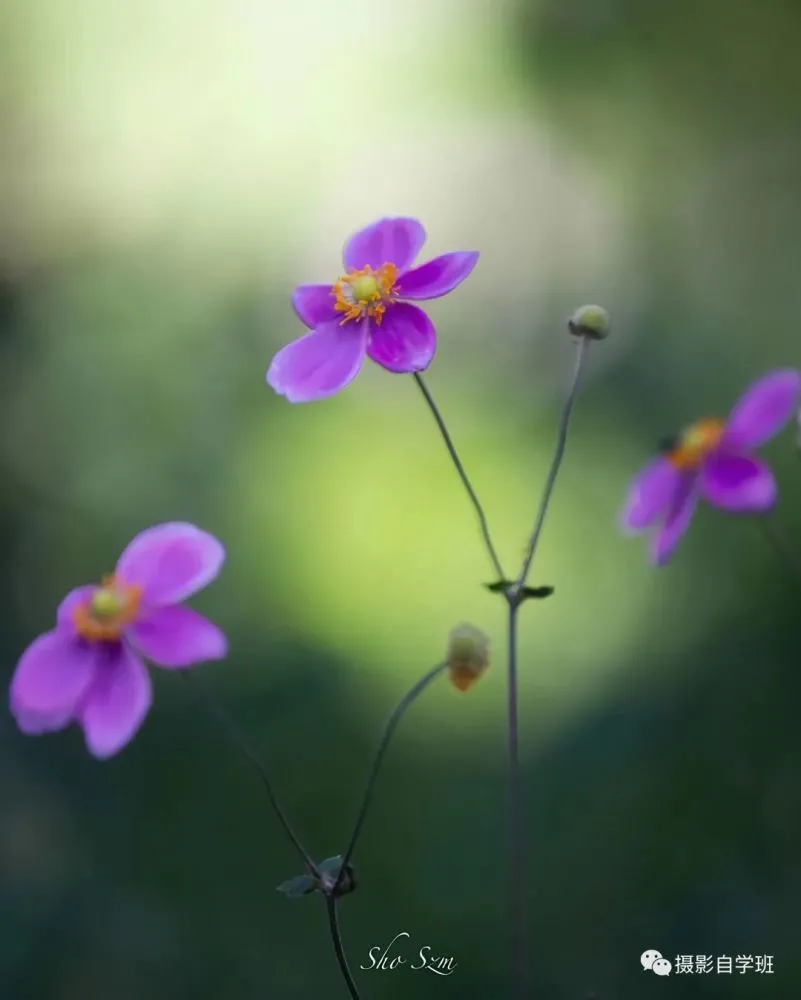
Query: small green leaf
point(300, 885)
point(501, 586)
point(331, 864)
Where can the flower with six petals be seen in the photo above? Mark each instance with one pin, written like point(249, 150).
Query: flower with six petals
point(713, 459)
point(366, 312)
point(89, 669)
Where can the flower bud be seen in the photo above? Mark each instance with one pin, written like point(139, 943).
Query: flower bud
point(589, 321)
point(468, 656)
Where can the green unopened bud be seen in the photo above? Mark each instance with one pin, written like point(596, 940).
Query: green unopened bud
point(468, 656)
point(591, 322)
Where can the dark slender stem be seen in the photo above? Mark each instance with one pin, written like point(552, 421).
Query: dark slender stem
point(482, 517)
point(781, 545)
point(383, 745)
point(514, 597)
point(517, 875)
point(238, 740)
point(553, 472)
point(339, 950)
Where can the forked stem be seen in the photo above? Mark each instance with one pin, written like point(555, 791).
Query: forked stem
point(515, 597)
point(383, 745)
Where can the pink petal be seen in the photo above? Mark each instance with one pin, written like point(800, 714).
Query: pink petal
point(117, 702)
point(680, 513)
point(35, 724)
point(171, 561)
point(405, 341)
point(319, 364)
point(438, 277)
point(50, 679)
point(66, 610)
point(178, 637)
point(649, 495)
point(738, 483)
point(314, 304)
point(388, 241)
point(763, 410)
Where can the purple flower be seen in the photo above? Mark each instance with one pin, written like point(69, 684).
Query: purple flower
point(712, 458)
point(362, 313)
point(89, 669)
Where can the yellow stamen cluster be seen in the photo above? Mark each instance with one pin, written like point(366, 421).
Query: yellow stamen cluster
point(695, 444)
point(366, 293)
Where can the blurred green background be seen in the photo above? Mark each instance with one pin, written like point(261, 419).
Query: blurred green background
point(169, 169)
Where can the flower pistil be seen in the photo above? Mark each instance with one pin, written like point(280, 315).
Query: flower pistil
point(105, 615)
point(366, 293)
point(692, 447)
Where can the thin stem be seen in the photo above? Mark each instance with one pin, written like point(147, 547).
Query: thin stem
point(781, 546)
point(515, 597)
point(482, 517)
point(517, 891)
point(339, 950)
point(238, 740)
point(561, 443)
point(383, 745)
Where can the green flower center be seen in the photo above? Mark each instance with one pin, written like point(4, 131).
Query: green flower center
point(695, 444)
point(365, 293)
point(107, 603)
point(365, 288)
point(104, 616)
